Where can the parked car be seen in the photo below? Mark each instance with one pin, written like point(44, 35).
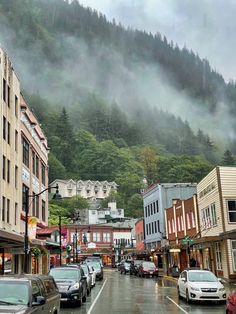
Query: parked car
point(94, 259)
point(147, 269)
point(71, 282)
point(29, 294)
point(125, 266)
point(85, 268)
point(231, 303)
point(98, 269)
point(200, 285)
point(134, 265)
point(93, 275)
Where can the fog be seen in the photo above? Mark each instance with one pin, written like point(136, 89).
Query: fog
point(207, 26)
point(103, 71)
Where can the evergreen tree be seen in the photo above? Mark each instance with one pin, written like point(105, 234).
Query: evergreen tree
point(228, 159)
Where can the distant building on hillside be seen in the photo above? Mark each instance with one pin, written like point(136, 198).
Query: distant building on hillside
point(88, 189)
point(103, 215)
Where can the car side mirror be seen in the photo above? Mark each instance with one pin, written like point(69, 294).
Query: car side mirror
point(183, 279)
point(91, 272)
point(40, 300)
point(84, 277)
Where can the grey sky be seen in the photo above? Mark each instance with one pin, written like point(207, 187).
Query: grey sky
point(205, 26)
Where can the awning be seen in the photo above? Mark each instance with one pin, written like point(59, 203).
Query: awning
point(10, 239)
point(228, 234)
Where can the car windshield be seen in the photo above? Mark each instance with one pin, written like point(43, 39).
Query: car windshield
point(149, 265)
point(201, 277)
point(63, 273)
point(14, 293)
point(137, 262)
point(85, 269)
point(95, 265)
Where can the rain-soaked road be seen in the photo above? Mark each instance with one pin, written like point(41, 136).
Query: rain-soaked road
point(129, 294)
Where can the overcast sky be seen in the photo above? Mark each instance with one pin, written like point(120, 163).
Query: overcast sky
point(205, 26)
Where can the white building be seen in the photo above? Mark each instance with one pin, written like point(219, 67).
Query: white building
point(97, 216)
point(88, 189)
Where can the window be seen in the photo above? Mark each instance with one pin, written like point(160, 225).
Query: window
point(147, 228)
point(233, 245)
point(155, 227)
point(35, 291)
point(4, 167)
point(4, 90)
point(208, 216)
point(173, 225)
point(96, 236)
point(34, 205)
point(146, 211)
point(3, 208)
point(8, 170)
point(25, 189)
point(169, 226)
point(8, 211)
point(178, 223)
point(33, 162)
point(218, 256)
point(8, 96)
point(37, 166)
point(16, 212)
point(188, 221)
point(43, 210)
point(8, 133)
point(43, 172)
point(157, 208)
point(37, 205)
point(4, 128)
point(16, 140)
point(16, 106)
point(158, 226)
point(25, 153)
point(154, 208)
point(106, 237)
point(231, 205)
point(151, 209)
point(16, 177)
point(193, 220)
point(152, 227)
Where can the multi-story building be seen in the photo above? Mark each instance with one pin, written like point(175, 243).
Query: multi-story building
point(217, 212)
point(88, 189)
point(156, 199)
point(10, 159)
point(23, 156)
point(182, 229)
point(103, 215)
point(34, 174)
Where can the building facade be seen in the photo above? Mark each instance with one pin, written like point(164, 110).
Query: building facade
point(90, 190)
point(156, 199)
point(139, 231)
point(181, 231)
point(217, 212)
point(103, 215)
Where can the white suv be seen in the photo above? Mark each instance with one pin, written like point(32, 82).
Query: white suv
point(200, 285)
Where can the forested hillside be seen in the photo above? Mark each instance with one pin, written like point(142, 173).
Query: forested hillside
point(115, 103)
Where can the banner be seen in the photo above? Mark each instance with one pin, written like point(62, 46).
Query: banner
point(32, 226)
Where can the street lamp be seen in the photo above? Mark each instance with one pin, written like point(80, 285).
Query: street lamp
point(26, 237)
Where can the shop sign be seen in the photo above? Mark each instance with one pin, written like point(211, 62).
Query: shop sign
point(91, 245)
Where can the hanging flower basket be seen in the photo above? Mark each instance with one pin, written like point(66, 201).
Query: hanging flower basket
point(44, 251)
point(35, 251)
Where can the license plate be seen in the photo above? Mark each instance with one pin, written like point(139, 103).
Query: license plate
point(151, 272)
point(64, 299)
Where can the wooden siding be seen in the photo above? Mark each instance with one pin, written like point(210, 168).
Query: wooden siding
point(228, 185)
point(206, 200)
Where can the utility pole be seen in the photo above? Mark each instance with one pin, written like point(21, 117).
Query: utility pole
point(60, 239)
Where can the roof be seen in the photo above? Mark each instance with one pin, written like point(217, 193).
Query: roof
point(49, 230)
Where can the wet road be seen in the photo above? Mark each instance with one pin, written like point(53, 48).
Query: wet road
point(129, 294)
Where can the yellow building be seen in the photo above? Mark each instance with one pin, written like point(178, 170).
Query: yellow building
point(217, 216)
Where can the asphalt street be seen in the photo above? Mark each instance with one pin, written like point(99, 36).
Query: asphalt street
point(129, 294)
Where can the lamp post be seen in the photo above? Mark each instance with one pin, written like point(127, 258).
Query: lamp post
point(26, 237)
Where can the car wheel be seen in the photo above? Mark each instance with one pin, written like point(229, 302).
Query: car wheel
point(178, 292)
point(84, 298)
point(187, 297)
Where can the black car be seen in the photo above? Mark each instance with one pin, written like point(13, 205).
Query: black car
point(125, 266)
point(26, 294)
point(71, 282)
point(134, 265)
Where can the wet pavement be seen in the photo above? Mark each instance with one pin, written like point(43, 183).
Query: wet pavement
point(129, 294)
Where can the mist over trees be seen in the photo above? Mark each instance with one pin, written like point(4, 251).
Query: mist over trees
point(117, 104)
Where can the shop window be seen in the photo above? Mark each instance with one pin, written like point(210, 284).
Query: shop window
point(233, 245)
point(231, 206)
point(25, 153)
